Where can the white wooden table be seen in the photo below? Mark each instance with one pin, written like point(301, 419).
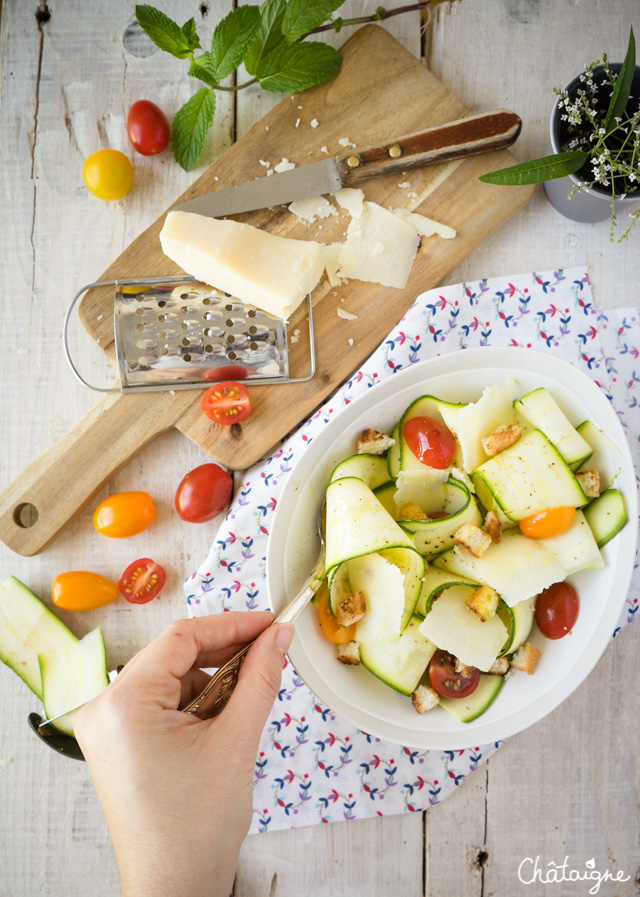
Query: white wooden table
point(569, 785)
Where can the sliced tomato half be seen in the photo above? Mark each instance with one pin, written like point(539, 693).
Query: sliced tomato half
point(142, 581)
point(446, 681)
point(227, 402)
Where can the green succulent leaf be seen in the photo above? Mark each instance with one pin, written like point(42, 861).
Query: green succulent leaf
point(269, 34)
point(296, 67)
point(167, 34)
point(546, 168)
point(622, 87)
point(302, 16)
point(190, 127)
point(233, 37)
point(203, 69)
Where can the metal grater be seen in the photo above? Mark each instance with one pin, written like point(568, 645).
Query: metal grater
point(178, 333)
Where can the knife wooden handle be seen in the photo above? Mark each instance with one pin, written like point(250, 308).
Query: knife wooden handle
point(479, 133)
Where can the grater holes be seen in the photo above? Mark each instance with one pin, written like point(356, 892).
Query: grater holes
point(142, 359)
point(139, 327)
point(228, 307)
point(186, 357)
point(184, 295)
point(229, 323)
point(139, 311)
point(231, 338)
point(208, 348)
point(251, 313)
point(162, 303)
point(184, 309)
point(231, 355)
point(161, 318)
point(184, 325)
point(253, 329)
point(253, 346)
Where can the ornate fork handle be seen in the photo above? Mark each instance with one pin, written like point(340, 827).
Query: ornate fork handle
point(214, 696)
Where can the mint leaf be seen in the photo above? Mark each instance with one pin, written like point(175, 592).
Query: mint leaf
point(622, 87)
point(302, 16)
point(233, 37)
point(190, 127)
point(202, 67)
point(296, 67)
point(269, 34)
point(167, 34)
point(546, 168)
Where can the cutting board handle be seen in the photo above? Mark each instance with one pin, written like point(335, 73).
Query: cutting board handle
point(55, 488)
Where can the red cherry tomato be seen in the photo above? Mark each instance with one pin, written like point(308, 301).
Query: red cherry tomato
point(124, 514)
point(549, 523)
point(142, 581)
point(203, 493)
point(226, 372)
point(430, 441)
point(148, 129)
point(81, 590)
point(557, 610)
point(446, 681)
point(226, 403)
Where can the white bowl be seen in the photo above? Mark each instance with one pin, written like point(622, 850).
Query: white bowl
point(354, 693)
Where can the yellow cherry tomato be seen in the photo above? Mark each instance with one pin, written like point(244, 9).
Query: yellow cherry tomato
point(549, 523)
point(331, 629)
point(80, 590)
point(108, 174)
point(125, 514)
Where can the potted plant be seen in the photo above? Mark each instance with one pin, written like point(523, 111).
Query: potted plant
point(593, 172)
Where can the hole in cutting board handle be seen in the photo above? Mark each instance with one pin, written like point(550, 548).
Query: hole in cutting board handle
point(25, 515)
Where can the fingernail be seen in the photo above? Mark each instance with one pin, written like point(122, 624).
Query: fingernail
point(284, 634)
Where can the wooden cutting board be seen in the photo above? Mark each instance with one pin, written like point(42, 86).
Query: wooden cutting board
point(381, 92)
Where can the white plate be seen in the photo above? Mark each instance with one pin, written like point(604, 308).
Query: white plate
point(353, 692)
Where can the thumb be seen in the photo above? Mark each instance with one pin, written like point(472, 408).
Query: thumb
point(258, 684)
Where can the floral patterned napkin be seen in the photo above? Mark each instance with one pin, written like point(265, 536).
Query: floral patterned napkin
point(312, 765)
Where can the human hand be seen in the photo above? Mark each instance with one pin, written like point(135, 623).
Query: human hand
point(176, 790)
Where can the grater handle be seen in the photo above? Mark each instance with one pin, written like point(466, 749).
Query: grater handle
point(55, 488)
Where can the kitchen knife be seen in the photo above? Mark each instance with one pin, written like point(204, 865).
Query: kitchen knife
point(480, 133)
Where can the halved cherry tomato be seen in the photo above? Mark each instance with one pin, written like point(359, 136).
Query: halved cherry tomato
point(430, 441)
point(142, 581)
point(107, 174)
point(226, 372)
point(438, 515)
point(226, 403)
point(446, 681)
point(557, 610)
point(331, 629)
point(549, 523)
point(80, 590)
point(124, 514)
point(203, 493)
point(148, 128)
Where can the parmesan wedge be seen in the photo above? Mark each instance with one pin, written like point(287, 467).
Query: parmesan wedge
point(380, 248)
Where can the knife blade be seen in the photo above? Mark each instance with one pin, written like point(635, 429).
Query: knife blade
point(469, 136)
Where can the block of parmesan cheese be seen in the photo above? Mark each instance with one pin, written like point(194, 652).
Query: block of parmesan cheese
point(380, 248)
point(272, 273)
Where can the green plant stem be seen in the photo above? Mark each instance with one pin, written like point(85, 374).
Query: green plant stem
point(362, 20)
point(236, 86)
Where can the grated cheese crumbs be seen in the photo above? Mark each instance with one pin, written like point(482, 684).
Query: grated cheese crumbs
point(323, 149)
point(314, 122)
point(346, 315)
point(265, 164)
point(404, 185)
point(297, 122)
point(99, 318)
point(350, 341)
point(285, 165)
point(344, 141)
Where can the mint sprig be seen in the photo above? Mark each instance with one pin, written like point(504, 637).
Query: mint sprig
point(167, 34)
point(302, 16)
point(296, 67)
point(190, 127)
point(269, 34)
point(233, 37)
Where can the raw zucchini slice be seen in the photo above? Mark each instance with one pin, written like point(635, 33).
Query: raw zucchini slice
point(371, 469)
point(28, 628)
point(401, 663)
point(423, 487)
point(542, 410)
point(506, 615)
point(575, 549)
point(385, 495)
point(606, 457)
point(471, 707)
point(393, 454)
point(455, 628)
point(72, 676)
point(517, 567)
point(431, 537)
point(606, 515)
point(528, 477)
point(433, 583)
point(523, 614)
point(479, 419)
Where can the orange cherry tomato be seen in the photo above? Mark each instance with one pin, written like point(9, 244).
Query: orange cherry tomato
point(80, 590)
point(108, 174)
point(549, 523)
point(226, 403)
point(125, 514)
point(331, 629)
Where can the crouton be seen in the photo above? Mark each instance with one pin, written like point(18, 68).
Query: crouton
point(473, 539)
point(411, 511)
point(351, 610)
point(373, 442)
point(483, 602)
point(424, 698)
point(525, 658)
point(349, 653)
point(590, 482)
point(501, 439)
point(499, 666)
point(493, 527)
point(463, 670)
